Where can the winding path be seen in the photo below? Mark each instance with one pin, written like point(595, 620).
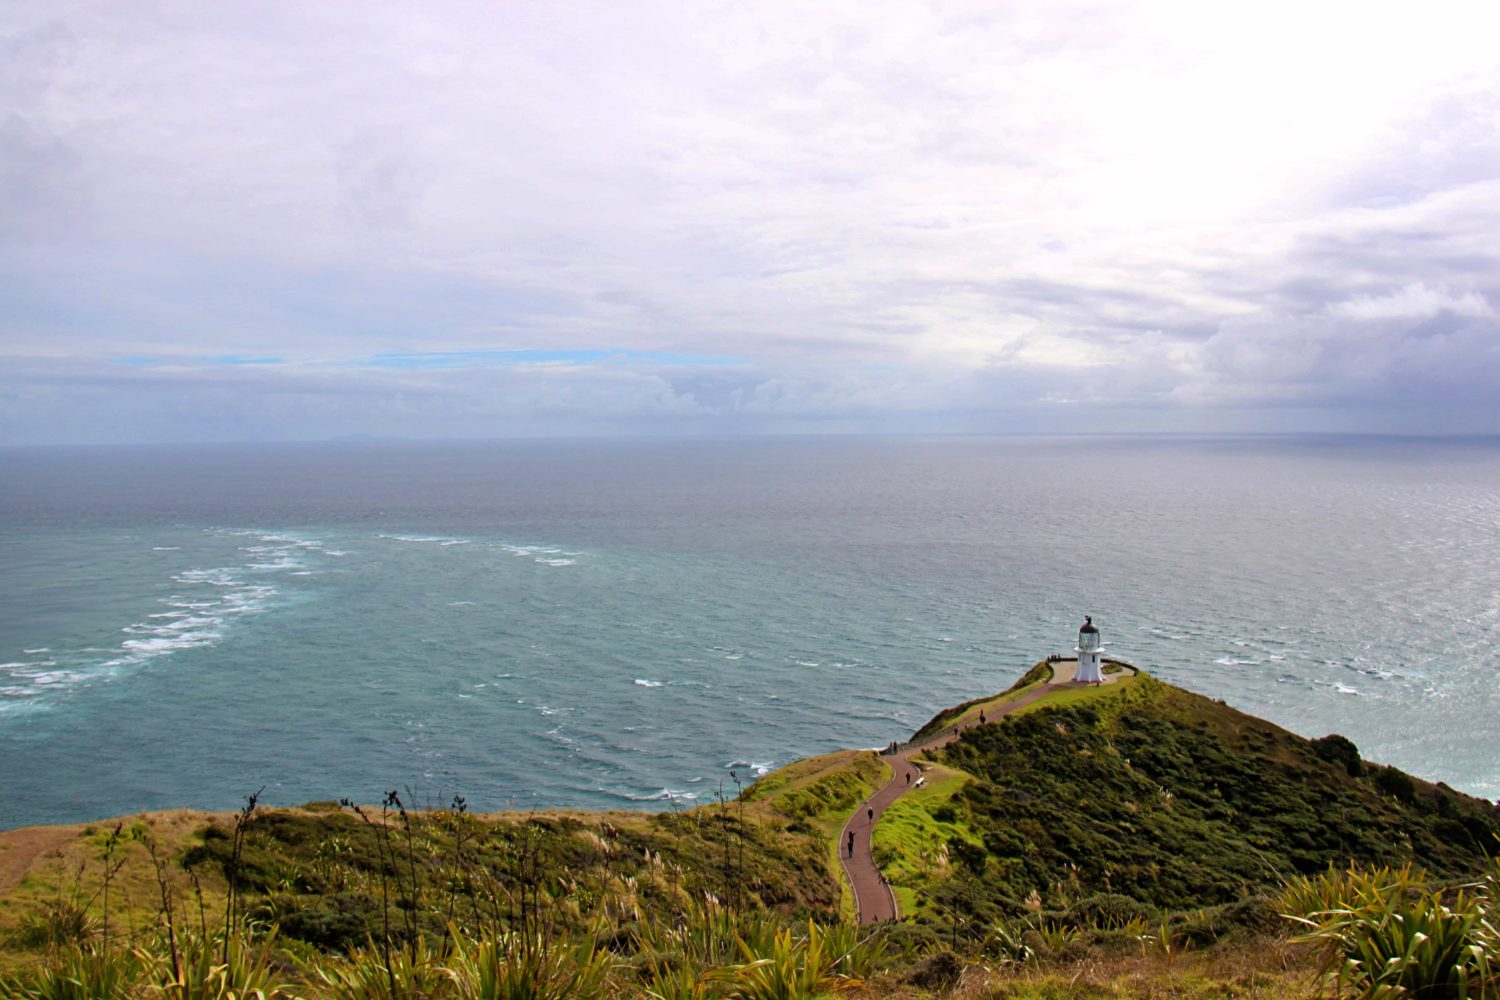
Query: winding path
point(873, 899)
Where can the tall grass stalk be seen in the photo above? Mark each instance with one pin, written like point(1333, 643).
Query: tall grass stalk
point(231, 904)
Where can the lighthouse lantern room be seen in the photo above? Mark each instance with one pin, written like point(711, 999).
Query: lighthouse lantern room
point(1089, 652)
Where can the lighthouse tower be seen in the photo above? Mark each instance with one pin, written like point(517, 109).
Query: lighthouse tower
point(1089, 650)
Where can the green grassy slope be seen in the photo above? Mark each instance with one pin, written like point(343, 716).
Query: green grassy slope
point(1065, 820)
point(1174, 801)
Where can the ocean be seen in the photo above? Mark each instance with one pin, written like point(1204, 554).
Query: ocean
point(642, 624)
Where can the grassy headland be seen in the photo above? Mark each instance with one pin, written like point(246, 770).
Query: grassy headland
point(1129, 840)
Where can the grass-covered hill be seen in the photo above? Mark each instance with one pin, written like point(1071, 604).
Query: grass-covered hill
point(1144, 797)
point(333, 876)
point(1075, 848)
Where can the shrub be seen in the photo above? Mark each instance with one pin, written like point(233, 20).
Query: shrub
point(1105, 909)
point(939, 971)
point(1396, 783)
point(1338, 749)
point(56, 924)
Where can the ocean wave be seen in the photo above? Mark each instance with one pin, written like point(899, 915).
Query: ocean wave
point(212, 577)
point(199, 615)
point(426, 539)
point(286, 562)
point(660, 795)
point(545, 555)
point(758, 768)
point(645, 683)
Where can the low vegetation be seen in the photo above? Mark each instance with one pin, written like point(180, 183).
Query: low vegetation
point(1151, 801)
point(1136, 841)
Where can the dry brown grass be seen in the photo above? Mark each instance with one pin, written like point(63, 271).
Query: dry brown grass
point(1270, 969)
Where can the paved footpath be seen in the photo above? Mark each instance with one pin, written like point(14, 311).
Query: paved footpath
point(873, 899)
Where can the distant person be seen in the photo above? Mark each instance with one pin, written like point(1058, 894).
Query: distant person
point(871, 814)
point(908, 777)
point(981, 716)
point(851, 843)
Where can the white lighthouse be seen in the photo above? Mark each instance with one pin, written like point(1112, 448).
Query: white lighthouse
point(1089, 650)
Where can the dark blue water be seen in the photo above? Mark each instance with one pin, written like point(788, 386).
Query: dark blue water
point(609, 623)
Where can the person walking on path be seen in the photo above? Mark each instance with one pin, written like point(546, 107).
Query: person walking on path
point(873, 899)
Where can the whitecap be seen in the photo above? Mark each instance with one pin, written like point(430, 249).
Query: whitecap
point(212, 577)
point(460, 604)
point(166, 548)
point(162, 645)
point(1342, 689)
point(285, 562)
point(55, 677)
point(39, 649)
point(643, 682)
point(806, 663)
point(660, 795)
point(556, 562)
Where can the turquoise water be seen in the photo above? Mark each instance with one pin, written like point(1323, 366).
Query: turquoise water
point(605, 624)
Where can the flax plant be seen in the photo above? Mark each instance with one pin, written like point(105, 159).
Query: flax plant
point(378, 973)
point(1387, 934)
point(518, 967)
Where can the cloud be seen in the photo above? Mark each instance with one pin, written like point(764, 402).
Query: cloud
point(1415, 301)
point(885, 215)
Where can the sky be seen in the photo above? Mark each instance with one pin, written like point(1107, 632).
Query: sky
point(309, 220)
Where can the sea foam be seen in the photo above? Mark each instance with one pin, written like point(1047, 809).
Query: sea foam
point(200, 615)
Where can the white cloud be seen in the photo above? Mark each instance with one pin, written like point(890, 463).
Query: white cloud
point(1414, 301)
point(1178, 204)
